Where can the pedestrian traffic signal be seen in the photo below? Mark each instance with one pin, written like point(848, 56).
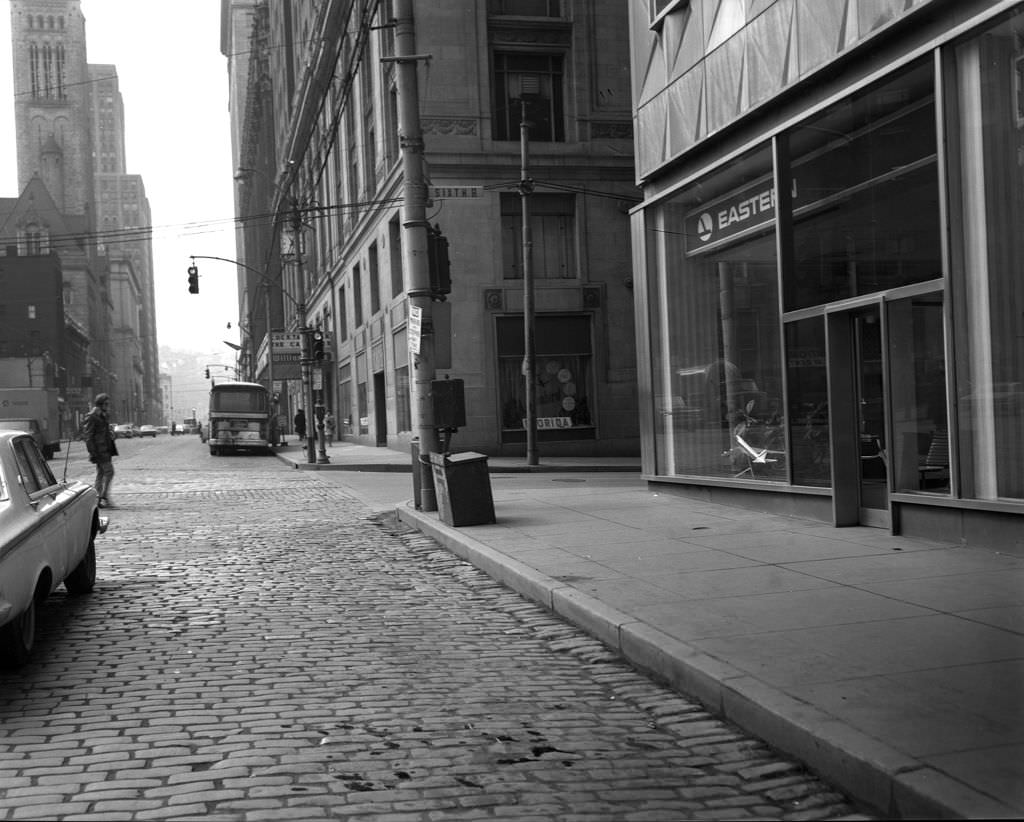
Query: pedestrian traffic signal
point(318, 345)
point(193, 280)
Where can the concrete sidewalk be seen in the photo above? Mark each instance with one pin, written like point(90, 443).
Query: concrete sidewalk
point(893, 667)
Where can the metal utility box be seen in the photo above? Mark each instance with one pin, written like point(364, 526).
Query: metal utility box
point(449, 404)
point(463, 489)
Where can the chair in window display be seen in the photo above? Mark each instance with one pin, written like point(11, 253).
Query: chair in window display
point(757, 457)
point(935, 465)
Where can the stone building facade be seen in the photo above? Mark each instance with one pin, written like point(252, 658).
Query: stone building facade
point(319, 146)
point(69, 126)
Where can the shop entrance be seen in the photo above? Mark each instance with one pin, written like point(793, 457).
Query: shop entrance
point(858, 403)
point(380, 407)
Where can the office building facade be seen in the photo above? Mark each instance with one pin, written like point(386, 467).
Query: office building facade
point(827, 260)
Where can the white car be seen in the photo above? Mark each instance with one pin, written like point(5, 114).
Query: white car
point(48, 531)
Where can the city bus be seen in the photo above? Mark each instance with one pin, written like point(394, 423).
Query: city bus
point(239, 418)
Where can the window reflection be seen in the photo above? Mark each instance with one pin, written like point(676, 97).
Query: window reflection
point(865, 194)
point(807, 381)
point(719, 407)
point(990, 380)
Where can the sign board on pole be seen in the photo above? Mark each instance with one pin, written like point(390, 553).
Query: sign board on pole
point(283, 341)
point(415, 328)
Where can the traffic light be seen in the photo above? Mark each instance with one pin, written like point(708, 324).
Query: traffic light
point(207, 373)
point(438, 262)
point(193, 280)
point(318, 345)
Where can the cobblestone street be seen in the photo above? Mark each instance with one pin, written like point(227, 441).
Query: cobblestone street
point(262, 645)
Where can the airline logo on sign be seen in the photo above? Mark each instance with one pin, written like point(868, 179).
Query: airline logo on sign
point(731, 216)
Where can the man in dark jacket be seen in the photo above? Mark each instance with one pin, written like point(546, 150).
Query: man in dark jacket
point(99, 439)
point(300, 424)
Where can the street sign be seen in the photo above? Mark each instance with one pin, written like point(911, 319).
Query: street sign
point(455, 192)
point(285, 342)
point(415, 328)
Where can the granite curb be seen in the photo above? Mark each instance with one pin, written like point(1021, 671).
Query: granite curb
point(392, 462)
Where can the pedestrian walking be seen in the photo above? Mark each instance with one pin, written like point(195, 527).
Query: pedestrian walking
point(300, 424)
point(329, 428)
point(99, 440)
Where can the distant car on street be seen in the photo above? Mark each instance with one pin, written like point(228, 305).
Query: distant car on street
point(48, 529)
point(147, 431)
point(124, 431)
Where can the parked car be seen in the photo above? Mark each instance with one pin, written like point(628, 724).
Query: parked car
point(124, 431)
point(146, 431)
point(48, 531)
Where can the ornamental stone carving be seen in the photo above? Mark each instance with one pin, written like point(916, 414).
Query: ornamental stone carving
point(449, 126)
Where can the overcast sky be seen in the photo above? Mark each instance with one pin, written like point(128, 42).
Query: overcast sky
point(173, 81)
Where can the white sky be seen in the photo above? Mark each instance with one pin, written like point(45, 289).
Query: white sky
point(173, 81)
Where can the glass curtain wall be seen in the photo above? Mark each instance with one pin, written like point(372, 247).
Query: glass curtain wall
point(861, 186)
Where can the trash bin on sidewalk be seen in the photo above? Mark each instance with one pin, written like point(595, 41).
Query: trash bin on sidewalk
point(463, 488)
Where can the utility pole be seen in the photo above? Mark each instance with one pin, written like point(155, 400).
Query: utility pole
point(305, 332)
point(529, 353)
point(414, 250)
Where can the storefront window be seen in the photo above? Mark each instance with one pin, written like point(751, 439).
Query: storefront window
point(403, 409)
point(865, 193)
point(715, 315)
point(917, 380)
point(989, 100)
point(344, 413)
point(564, 374)
point(362, 421)
point(807, 384)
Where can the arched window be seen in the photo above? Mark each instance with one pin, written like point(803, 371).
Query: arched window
point(60, 72)
point(47, 70)
point(33, 69)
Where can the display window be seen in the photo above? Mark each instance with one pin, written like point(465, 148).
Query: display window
point(988, 131)
point(715, 311)
point(807, 392)
point(564, 377)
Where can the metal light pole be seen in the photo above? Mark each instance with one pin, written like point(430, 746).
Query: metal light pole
point(305, 332)
point(414, 250)
point(529, 353)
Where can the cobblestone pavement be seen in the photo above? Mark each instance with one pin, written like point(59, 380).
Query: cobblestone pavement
point(262, 646)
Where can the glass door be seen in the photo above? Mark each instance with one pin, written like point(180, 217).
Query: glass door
point(858, 421)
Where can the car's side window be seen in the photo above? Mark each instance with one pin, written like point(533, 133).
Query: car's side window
point(28, 477)
point(40, 472)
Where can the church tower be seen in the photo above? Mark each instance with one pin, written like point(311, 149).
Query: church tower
point(52, 101)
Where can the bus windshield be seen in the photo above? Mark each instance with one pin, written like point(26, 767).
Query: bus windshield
point(238, 400)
